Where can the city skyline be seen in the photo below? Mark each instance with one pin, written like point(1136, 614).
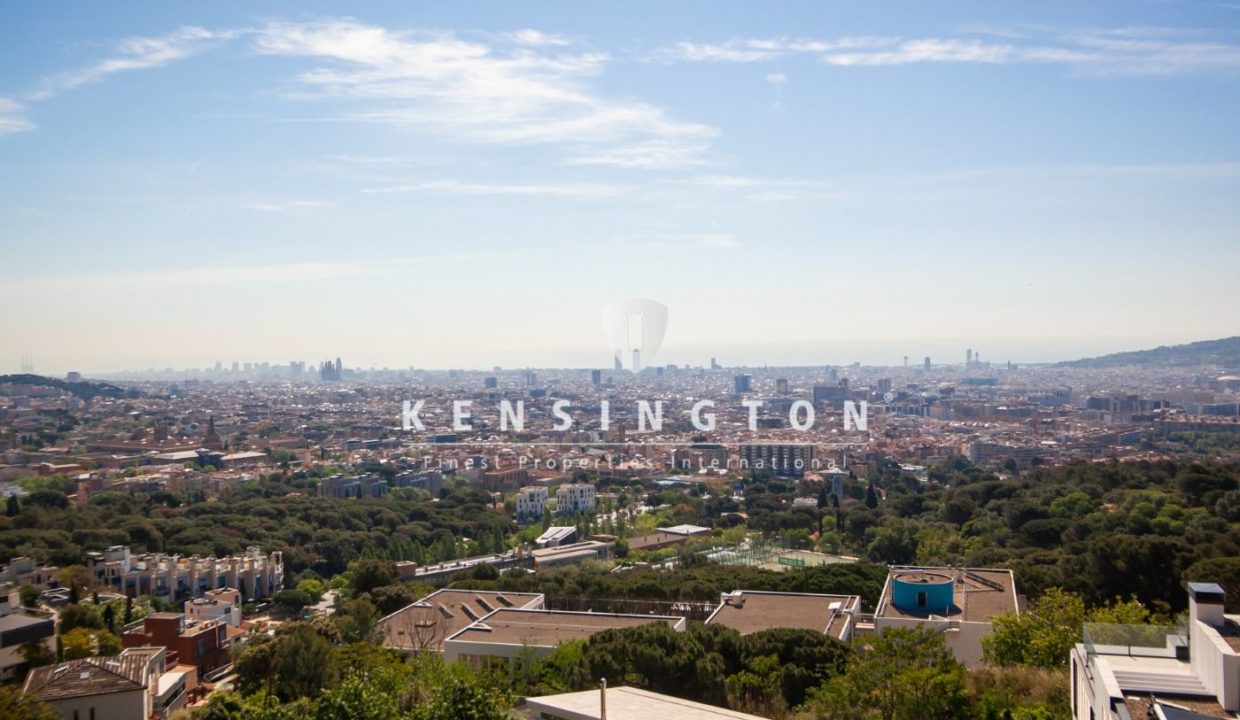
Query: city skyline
point(443, 188)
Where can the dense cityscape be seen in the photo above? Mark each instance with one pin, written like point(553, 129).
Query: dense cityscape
point(243, 540)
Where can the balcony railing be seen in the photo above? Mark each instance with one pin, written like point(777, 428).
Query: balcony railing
point(1136, 640)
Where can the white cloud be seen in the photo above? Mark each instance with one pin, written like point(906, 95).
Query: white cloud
point(135, 53)
point(745, 50)
point(777, 79)
point(1113, 51)
point(13, 117)
point(535, 38)
point(456, 187)
point(927, 50)
point(654, 154)
point(468, 90)
point(288, 205)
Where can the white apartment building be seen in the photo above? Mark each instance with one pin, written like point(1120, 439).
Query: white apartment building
point(223, 604)
point(253, 574)
point(574, 498)
point(1134, 672)
point(531, 503)
point(27, 571)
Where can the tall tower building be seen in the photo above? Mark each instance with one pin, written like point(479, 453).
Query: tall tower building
point(968, 358)
point(927, 363)
point(744, 384)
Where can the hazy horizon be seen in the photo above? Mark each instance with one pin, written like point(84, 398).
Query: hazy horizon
point(868, 351)
point(440, 187)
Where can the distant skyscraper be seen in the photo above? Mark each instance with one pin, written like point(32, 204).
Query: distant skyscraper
point(781, 386)
point(744, 384)
point(619, 363)
point(596, 377)
point(906, 361)
point(714, 364)
point(927, 363)
point(329, 371)
point(637, 360)
point(490, 383)
point(339, 369)
point(968, 358)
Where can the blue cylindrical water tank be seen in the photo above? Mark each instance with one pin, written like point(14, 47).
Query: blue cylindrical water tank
point(921, 591)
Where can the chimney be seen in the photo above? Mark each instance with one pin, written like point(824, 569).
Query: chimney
point(602, 699)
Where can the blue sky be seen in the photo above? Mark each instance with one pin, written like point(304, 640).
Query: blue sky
point(469, 184)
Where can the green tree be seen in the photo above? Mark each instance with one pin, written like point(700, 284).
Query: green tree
point(1222, 570)
point(462, 700)
point(292, 602)
point(756, 689)
point(1042, 636)
point(313, 587)
point(358, 620)
point(361, 696)
point(17, 706)
point(1045, 633)
point(29, 595)
point(900, 674)
point(36, 653)
point(84, 642)
point(368, 574)
point(78, 616)
point(390, 598)
point(298, 662)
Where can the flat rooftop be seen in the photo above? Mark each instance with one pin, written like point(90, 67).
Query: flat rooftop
point(628, 703)
point(978, 594)
point(20, 620)
point(424, 624)
point(547, 628)
point(641, 542)
point(748, 611)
